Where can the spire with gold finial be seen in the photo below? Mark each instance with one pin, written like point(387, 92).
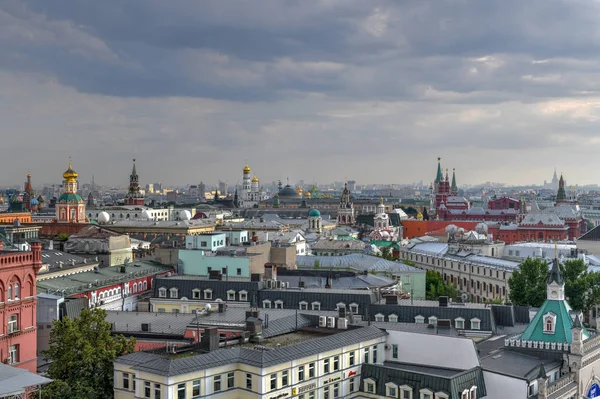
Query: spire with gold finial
point(246, 169)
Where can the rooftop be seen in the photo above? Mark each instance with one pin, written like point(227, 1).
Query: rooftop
point(101, 277)
point(163, 365)
point(359, 262)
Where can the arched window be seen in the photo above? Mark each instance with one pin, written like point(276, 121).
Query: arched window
point(548, 324)
point(140, 287)
point(145, 285)
point(134, 288)
point(9, 293)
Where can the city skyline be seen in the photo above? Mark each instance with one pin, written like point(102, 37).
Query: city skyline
point(318, 91)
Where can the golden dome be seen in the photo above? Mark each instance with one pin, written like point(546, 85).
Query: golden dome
point(254, 179)
point(246, 169)
point(307, 194)
point(70, 174)
point(299, 190)
point(420, 216)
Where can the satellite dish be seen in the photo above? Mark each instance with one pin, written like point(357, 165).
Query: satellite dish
point(465, 297)
point(208, 307)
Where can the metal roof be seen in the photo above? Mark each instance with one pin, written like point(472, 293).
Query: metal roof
point(15, 381)
point(160, 365)
point(360, 262)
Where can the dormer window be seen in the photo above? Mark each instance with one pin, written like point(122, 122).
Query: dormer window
point(162, 292)
point(419, 319)
point(173, 292)
point(549, 323)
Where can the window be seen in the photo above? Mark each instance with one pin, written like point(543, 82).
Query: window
point(354, 308)
point(441, 395)
point(473, 393)
point(391, 390)
point(174, 310)
point(549, 323)
point(475, 324)
point(239, 271)
point(230, 380)
point(433, 320)
point(394, 351)
point(162, 292)
point(303, 305)
point(284, 378)
point(301, 373)
point(379, 317)
point(393, 318)
point(13, 354)
point(243, 295)
point(336, 390)
point(13, 325)
point(146, 389)
point(249, 381)
point(161, 310)
point(196, 293)
point(316, 306)
point(352, 358)
point(369, 385)
point(217, 383)
point(426, 394)
point(231, 295)
point(172, 292)
point(267, 304)
point(464, 394)
point(375, 354)
point(326, 392)
point(336, 363)
point(352, 385)
point(273, 381)
point(326, 366)
point(16, 292)
point(459, 323)
point(311, 370)
point(406, 392)
point(419, 319)
point(278, 304)
point(208, 293)
point(340, 305)
point(126, 381)
point(195, 388)
point(311, 395)
point(9, 292)
point(157, 391)
point(531, 390)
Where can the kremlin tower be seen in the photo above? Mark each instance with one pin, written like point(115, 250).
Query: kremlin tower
point(70, 207)
point(134, 197)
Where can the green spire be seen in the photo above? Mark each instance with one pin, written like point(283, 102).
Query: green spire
point(454, 180)
point(439, 176)
point(561, 195)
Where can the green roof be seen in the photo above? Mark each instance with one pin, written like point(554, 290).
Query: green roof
point(314, 213)
point(70, 198)
point(562, 331)
point(383, 243)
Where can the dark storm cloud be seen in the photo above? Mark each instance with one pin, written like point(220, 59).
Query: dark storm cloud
point(389, 49)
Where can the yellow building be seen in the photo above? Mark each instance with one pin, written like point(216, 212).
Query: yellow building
point(296, 365)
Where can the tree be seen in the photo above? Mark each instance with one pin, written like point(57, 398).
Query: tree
point(436, 287)
point(577, 283)
point(316, 264)
point(386, 253)
point(528, 283)
point(81, 353)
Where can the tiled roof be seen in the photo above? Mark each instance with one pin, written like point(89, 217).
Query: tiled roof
point(160, 365)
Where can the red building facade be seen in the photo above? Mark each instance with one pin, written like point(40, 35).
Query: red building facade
point(18, 271)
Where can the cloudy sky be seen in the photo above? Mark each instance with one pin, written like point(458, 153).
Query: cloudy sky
point(375, 91)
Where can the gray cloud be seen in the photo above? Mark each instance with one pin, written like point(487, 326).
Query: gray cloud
point(312, 89)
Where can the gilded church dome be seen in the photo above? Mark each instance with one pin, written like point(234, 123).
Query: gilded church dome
point(254, 179)
point(246, 169)
point(70, 174)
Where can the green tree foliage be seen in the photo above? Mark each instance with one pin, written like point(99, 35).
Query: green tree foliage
point(386, 253)
point(528, 283)
point(436, 286)
point(577, 283)
point(81, 352)
point(316, 264)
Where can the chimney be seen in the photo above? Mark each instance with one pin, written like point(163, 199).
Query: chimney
point(221, 307)
point(210, 339)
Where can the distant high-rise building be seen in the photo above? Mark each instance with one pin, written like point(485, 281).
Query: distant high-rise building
point(222, 188)
point(202, 190)
point(352, 185)
point(150, 188)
